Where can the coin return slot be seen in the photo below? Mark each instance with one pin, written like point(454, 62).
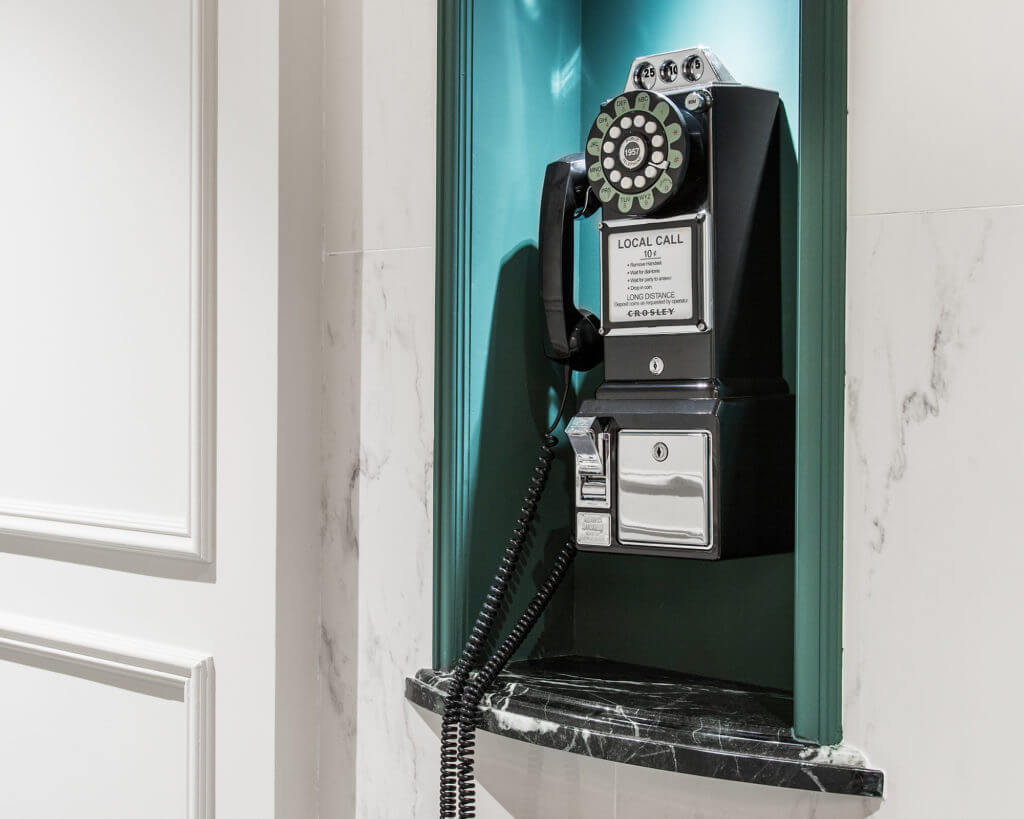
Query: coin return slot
point(594, 488)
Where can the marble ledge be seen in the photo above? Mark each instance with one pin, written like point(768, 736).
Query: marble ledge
point(658, 719)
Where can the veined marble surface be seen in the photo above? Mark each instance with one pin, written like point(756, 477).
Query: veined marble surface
point(377, 536)
point(933, 496)
point(377, 755)
point(339, 503)
point(658, 719)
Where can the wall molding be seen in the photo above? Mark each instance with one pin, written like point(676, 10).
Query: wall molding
point(451, 390)
point(821, 374)
point(190, 538)
point(138, 666)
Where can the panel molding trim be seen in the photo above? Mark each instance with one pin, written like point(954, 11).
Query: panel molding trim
point(190, 538)
point(451, 389)
point(122, 662)
point(821, 374)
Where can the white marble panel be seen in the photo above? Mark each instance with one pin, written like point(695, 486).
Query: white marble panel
point(524, 781)
point(379, 120)
point(518, 780)
point(399, 100)
point(343, 125)
point(396, 767)
point(342, 346)
point(934, 93)
point(642, 793)
point(934, 440)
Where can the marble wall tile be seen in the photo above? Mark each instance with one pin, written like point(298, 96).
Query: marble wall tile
point(343, 125)
point(933, 494)
point(396, 767)
point(517, 780)
point(641, 793)
point(524, 781)
point(342, 349)
point(399, 102)
point(934, 89)
point(379, 123)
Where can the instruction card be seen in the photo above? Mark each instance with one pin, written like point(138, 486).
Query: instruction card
point(650, 275)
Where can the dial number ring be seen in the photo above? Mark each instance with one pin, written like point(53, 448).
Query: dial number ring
point(637, 151)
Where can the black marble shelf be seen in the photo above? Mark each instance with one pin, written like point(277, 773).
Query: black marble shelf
point(658, 719)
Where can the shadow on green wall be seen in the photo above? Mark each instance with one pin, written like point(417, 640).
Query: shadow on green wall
point(522, 387)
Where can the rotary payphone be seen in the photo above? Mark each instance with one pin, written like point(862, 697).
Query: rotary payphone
point(687, 447)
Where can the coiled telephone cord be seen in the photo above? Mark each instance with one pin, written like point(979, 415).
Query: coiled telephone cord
point(451, 753)
point(478, 685)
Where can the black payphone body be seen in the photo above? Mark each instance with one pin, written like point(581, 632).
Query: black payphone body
point(687, 447)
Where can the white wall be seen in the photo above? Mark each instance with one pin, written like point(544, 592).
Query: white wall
point(933, 558)
point(157, 542)
point(936, 216)
point(378, 406)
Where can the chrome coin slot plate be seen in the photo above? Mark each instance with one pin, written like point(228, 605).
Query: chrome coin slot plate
point(664, 488)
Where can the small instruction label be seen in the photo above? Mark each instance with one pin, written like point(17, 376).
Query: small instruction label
point(650, 275)
point(594, 528)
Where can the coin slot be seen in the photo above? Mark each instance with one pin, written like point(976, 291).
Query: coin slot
point(693, 67)
point(645, 76)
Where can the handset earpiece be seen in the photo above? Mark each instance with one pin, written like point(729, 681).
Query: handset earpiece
point(573, 335)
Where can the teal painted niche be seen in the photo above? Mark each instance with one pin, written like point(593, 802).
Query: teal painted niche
point(525, 112)
point(519, 82)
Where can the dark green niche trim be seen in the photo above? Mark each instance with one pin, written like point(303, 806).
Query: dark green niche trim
point(451, 394)
point(821, 342)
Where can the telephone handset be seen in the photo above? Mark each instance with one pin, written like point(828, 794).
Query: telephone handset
point(686, 449)
point(572, 335)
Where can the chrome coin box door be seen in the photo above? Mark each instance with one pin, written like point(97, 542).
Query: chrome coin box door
point(663, 480)
point(707, 478)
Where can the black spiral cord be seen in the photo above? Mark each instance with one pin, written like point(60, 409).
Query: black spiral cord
point(478, 685)
point(460, 707)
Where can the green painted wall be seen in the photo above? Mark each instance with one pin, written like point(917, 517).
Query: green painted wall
point(540, 68)
point(525, 112)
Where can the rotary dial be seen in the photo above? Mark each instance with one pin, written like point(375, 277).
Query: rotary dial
point(636, 152)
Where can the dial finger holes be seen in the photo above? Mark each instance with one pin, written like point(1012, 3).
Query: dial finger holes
point(650, 127)
point(657, 157)
point(657, 140)
point(615, 176)
point(639, 120)
point(615, 132)
point(627, 123)
point(651, 171)
point(608, 147)
point(639, 180)
point(608, 163)
point(626, 183)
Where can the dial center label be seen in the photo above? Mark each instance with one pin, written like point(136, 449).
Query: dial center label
point(650, 275)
